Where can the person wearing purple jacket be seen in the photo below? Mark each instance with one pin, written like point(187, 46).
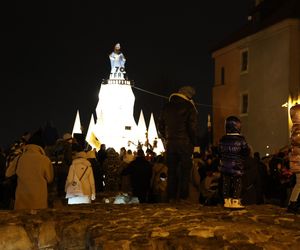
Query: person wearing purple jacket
point(233, 150)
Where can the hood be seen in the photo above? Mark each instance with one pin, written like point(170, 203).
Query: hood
point(178, 96)
point(81, 161)
point(34, 148)
point(80, 154)
point(233, 125)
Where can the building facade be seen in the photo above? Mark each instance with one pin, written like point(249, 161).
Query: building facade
point(257, 77)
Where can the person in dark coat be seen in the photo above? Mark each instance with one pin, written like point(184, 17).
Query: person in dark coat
point(62, 160)
point(263, 173)
point(233, 150)
point(252, 190)
point(101, 156)
point(178, 128)
point(112, 171)
point(140, 171)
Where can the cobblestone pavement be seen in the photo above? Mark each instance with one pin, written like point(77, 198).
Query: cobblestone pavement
point(150, 226)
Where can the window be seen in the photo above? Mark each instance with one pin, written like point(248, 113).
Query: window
point(222, 75)
point(244, 104)
point(127, 127)
point(244, 61)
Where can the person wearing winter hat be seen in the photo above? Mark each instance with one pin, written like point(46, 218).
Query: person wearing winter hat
point(233, 150)
point(178, 126)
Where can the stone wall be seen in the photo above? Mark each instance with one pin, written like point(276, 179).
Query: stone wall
point(149, 226)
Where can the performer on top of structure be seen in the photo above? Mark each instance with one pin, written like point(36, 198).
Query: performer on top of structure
point(117, 61)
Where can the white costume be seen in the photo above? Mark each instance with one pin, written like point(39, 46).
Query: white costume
point(117, 61)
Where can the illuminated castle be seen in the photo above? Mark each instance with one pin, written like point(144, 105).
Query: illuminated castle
point(115, 125)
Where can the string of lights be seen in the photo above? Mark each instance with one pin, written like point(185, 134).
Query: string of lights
point(197, 103)
point(149, 92)
point(166, 97)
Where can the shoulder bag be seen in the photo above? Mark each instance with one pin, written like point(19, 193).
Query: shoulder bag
point(74, 188)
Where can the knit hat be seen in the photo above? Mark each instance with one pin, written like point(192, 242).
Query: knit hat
point(188, 91)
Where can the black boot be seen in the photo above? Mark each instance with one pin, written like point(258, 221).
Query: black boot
point(293, 207)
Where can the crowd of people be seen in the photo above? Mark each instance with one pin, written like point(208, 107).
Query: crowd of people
point(43, 172)
point(228, 174)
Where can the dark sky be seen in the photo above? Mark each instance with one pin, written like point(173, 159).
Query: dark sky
point(54, 56)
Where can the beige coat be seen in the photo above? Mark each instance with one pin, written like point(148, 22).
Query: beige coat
point(88, 183)
point(34, 172)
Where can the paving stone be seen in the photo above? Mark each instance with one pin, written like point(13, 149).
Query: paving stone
point(149, 226)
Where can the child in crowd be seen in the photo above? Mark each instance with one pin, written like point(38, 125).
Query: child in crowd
point(233, 149)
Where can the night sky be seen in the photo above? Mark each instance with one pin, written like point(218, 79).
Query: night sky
point(55, 55)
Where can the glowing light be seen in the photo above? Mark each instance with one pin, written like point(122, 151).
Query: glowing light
point(77, 125)
point(115, 124)
point(152, 132)
point(153, 136)
point(90, 129)
point(208, 121)
point(290, 103)
point(142, 129)
point(197, 150)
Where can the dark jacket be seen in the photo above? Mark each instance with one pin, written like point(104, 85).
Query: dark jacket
point(178, 121)
point(252, 191)
point(233, 150)
point(140, 171)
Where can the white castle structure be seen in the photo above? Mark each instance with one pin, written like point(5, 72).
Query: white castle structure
point(115, 125)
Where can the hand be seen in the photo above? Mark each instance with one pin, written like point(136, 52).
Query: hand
point(93, 197)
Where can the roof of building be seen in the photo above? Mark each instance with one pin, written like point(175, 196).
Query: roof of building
point(267, 13)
